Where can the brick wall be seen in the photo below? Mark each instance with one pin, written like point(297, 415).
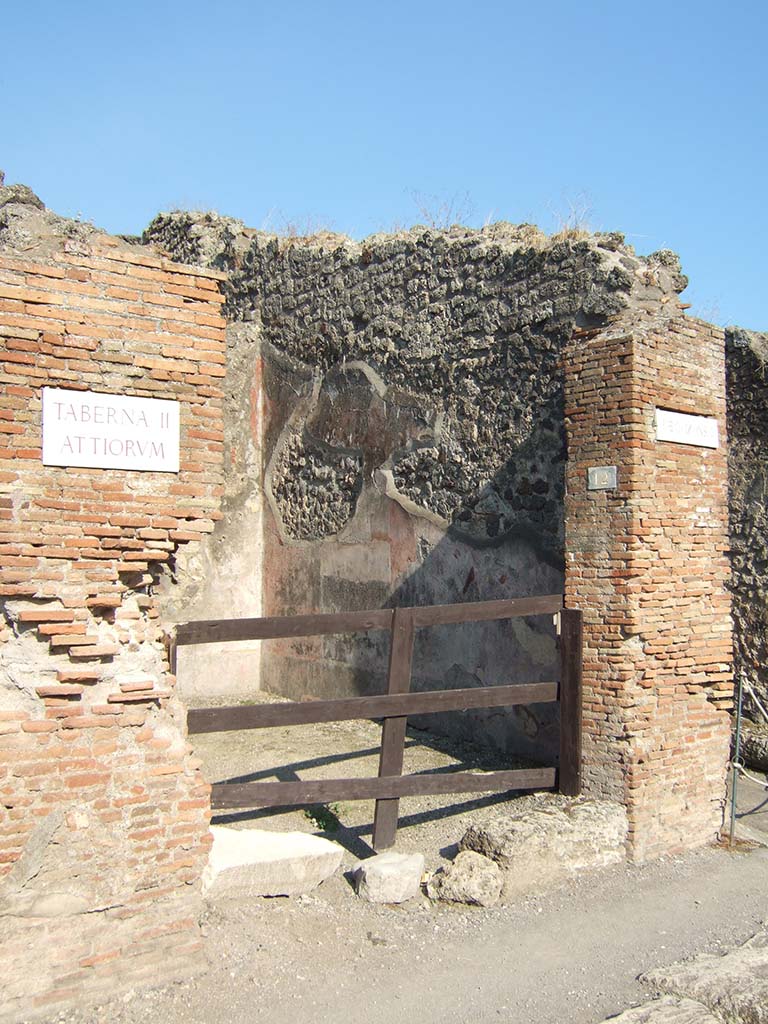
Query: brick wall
point(103, 811)
point(647, 563)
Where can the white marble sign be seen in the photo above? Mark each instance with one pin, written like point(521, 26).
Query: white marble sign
point(86, 428)
point(682, 428)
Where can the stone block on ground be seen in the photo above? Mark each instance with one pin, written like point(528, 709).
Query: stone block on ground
point(255, 862)
point(471, 878)
point(668, 1010)
point(542, 839)
point(733, 987)
point(389, 877)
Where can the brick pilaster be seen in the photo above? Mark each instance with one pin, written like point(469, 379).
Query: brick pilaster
point(647, 564)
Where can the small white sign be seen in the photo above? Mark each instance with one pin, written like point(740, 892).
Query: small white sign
point(86, 428)
point(602, 478)
point(682, 428)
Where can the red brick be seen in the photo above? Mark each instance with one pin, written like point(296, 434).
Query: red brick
point(39, 726)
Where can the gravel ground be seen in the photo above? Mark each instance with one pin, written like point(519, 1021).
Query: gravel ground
point(572, 953)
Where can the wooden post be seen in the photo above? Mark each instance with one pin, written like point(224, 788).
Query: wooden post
point(393, 730)
point(571, 653)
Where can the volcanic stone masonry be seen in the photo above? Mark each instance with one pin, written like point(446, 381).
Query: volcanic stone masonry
point(747, 389)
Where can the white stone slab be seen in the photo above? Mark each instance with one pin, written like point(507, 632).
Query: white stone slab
point(683, 428)
point(100, 431)
point(255, 862)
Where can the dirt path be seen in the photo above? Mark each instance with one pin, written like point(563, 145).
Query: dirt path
point(571, 955)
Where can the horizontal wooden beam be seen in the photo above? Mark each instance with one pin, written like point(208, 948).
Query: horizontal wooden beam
point(263, 716)
point(483, 611)
point(211, 631)
point(321, 791)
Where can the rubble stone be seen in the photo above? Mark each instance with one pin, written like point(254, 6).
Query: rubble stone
point(389, 877)
point(471, 878)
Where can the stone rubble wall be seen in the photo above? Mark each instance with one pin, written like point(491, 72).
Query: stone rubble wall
point(747, 391)
point(440, 321)
point(103, 810)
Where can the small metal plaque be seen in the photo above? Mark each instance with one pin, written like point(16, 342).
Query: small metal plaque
point(683, 428)
point(86, 428)
point(602, 478)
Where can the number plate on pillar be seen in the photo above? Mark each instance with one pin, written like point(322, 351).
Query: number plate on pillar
point(602, 478)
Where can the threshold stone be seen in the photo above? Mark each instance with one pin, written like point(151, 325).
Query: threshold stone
point(541, 839)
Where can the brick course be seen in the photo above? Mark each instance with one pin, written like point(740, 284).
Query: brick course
point(104, 819)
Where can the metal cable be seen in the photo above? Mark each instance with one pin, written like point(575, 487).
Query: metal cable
point(738, 766)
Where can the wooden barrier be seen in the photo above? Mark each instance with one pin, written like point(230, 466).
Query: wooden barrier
point(395, 706)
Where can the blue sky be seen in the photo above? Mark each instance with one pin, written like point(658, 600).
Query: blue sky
point(648, 118)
